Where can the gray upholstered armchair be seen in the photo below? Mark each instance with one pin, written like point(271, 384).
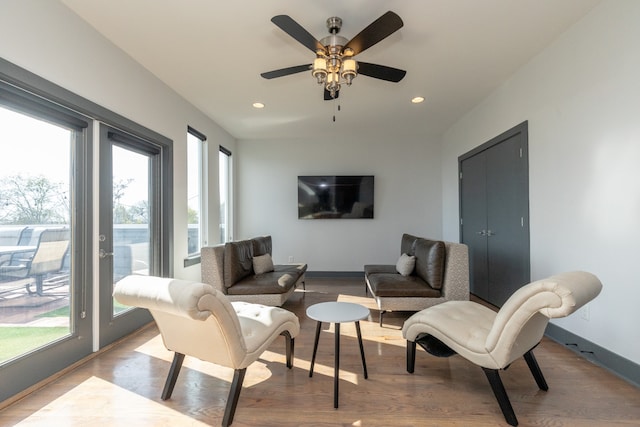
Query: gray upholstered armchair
point(493, 340)
point(197, 320)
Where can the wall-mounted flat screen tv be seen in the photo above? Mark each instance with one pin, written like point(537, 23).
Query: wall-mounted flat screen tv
point(335, 196)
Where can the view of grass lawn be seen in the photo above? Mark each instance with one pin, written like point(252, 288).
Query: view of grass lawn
point(59, 312)
point(64, 311)
point(18, 340)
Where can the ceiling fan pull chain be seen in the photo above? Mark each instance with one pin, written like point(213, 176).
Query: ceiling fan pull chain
point(334, 110)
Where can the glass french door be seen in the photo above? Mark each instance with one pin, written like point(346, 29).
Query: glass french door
point(59, 206)
point(130, 230)
point(45, 290)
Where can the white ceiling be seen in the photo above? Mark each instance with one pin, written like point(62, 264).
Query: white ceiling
point(212, 52)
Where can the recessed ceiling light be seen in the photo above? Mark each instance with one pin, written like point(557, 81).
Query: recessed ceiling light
point(258, 105)
point(417, 99)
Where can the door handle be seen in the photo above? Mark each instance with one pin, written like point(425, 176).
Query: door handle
point(491, 233)
point(482, 232)
point(103, 254)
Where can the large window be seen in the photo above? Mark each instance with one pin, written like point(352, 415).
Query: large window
point(224, 181)
point(196, 232)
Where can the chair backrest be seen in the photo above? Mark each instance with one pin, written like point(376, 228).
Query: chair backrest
point(30, 236)
point(521, 321)
point(193, 318)
point(52, 248)
point(10, 236)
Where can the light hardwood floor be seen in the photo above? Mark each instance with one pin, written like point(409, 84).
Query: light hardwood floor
point(122, 386)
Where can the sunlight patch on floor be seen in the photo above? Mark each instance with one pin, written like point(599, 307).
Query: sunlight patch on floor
point(155, 348)
point(367, 301)
point(137, 410)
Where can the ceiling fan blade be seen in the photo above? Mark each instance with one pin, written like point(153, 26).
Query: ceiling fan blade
point(378, 30)
point(381, 72)
point(327, 95)
point(295, 30)
point(286, 71)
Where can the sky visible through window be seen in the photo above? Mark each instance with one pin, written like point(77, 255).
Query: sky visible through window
point(32, 147)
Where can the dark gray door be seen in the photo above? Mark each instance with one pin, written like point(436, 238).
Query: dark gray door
point(494, 208)
point(474, 228)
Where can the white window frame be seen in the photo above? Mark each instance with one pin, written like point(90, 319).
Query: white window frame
point(228, 234)
point(201, 165)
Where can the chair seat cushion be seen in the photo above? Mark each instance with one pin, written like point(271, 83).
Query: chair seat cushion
point(379, 268)
point(298, 269)
point(278, 281)
point(258, 322)
point(397, 285)
point(462, 325)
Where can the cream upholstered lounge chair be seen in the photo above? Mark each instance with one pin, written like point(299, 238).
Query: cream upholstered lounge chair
point(494, 340)
point(197, 320)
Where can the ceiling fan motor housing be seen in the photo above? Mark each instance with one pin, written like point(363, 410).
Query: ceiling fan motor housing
point(333, 44)
point(334, 24)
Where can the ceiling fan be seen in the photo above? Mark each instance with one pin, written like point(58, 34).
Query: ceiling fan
point(334, 64)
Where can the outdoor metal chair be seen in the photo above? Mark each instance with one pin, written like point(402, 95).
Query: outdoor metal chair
point(48, 258)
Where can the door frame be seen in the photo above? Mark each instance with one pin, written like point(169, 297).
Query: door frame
point(523, 130)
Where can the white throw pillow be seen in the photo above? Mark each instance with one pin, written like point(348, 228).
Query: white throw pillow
point(262, 264)
point(406, 264)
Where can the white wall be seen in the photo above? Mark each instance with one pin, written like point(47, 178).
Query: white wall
point(581, 97)
point(49, 40)
point(407, 197)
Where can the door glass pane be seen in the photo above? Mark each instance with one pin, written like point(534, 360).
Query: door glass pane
point(34, 233)
point(131, 236)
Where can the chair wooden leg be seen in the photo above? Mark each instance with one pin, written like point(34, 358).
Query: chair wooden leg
point(178, 358)
point(411, 356)
point(535, 370)
point(39, 285)
point(290, 348)
point(234, 395)
point(493, 375)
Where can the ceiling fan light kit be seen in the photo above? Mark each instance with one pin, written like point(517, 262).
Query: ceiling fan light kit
point(334, 64)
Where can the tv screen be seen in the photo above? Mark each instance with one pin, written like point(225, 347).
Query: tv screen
point(335, 196)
